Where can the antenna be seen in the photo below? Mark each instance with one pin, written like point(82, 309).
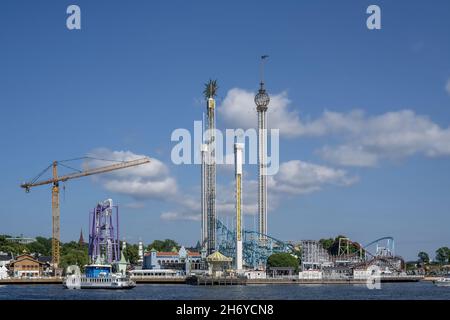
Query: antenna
point(263, 59)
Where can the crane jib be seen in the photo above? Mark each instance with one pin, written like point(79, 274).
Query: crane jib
point(122, 165)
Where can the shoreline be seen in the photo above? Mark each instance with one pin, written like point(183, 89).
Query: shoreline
point(229, 281)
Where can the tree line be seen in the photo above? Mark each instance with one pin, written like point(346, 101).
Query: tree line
point(442, 256)
point(75, 253)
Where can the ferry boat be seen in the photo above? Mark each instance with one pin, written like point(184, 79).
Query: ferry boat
point(98, 276)
point(442, 282)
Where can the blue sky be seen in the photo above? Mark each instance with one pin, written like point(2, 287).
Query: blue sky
point(135, 72)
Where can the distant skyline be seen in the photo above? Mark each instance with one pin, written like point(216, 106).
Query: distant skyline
point(364, 115)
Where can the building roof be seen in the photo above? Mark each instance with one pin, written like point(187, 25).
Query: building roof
point(5, 257)
point(173, 254)
point(167, 254)
point(45, 259)
point(218, 257)
point(25, 257)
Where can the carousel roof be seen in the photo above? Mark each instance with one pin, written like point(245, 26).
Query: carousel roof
point(218, 257)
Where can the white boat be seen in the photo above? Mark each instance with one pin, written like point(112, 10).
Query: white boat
point(98, 276)
point(442, 282)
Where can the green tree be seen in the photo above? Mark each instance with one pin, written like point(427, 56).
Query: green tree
point(423, 257)
point(11, 247)
point(443, 255)
point(131, 253)
point(164, 245)
point(327, 243)
point(283, 260)
point(37, 248)
point(332, 245)
point(74, 257)
point(46, 243)
point(71, 254)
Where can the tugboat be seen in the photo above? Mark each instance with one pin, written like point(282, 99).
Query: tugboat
point(97, 276)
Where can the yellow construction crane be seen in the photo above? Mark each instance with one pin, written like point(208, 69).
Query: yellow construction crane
point(55, 180)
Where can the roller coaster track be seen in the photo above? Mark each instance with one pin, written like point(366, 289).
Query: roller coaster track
point(255, 252)
point(375, 257)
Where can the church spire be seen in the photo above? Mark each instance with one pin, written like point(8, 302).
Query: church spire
point(81, 241)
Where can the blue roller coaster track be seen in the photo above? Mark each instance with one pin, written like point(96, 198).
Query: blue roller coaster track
point(255, 253)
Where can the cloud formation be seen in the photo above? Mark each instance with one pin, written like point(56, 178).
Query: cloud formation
point(148, 181)
point(173, 215)
point(239, 111)
point(153, 181)
point(361, 140)
point(294, 178)
point(447, 86)
point(365, 141)
point(298, 177)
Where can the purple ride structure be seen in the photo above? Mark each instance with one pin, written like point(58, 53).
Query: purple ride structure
point(104, 244)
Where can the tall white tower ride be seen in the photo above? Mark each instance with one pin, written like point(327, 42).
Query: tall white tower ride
point(262, 100)
point(238, 147)
point(204, 197)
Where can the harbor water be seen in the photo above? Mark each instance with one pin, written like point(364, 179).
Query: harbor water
point(389, 291)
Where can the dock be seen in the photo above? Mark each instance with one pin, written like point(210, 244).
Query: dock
point(215, 281)
point(223, 281)
point(46, 280)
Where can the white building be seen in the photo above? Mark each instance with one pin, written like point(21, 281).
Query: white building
point(310, 274)
point(255, 274)
point(5, 259)
point(3, 272)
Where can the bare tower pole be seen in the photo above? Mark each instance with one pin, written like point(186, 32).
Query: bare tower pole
point(262, 100)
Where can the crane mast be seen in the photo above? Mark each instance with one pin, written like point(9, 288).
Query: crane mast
point(55, 194)
point(55, 217)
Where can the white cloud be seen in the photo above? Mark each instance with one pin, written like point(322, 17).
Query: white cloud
point(348, 155)
point(362, 140)
point(294, 178)
point(172, 215)
point(147, 181)
point(239, 111)
point(447, 86)
point(298, 177)
point(135, 205)
point(365, 141)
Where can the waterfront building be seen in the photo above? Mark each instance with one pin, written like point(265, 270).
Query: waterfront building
point(5, 259)
point(121, 265)
point(180, 260)
point(26, 265)
point(3, 272)
point(47, 269)
point(310, 274)
point(21, 240)
point(280, 272)
point(255, 274)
